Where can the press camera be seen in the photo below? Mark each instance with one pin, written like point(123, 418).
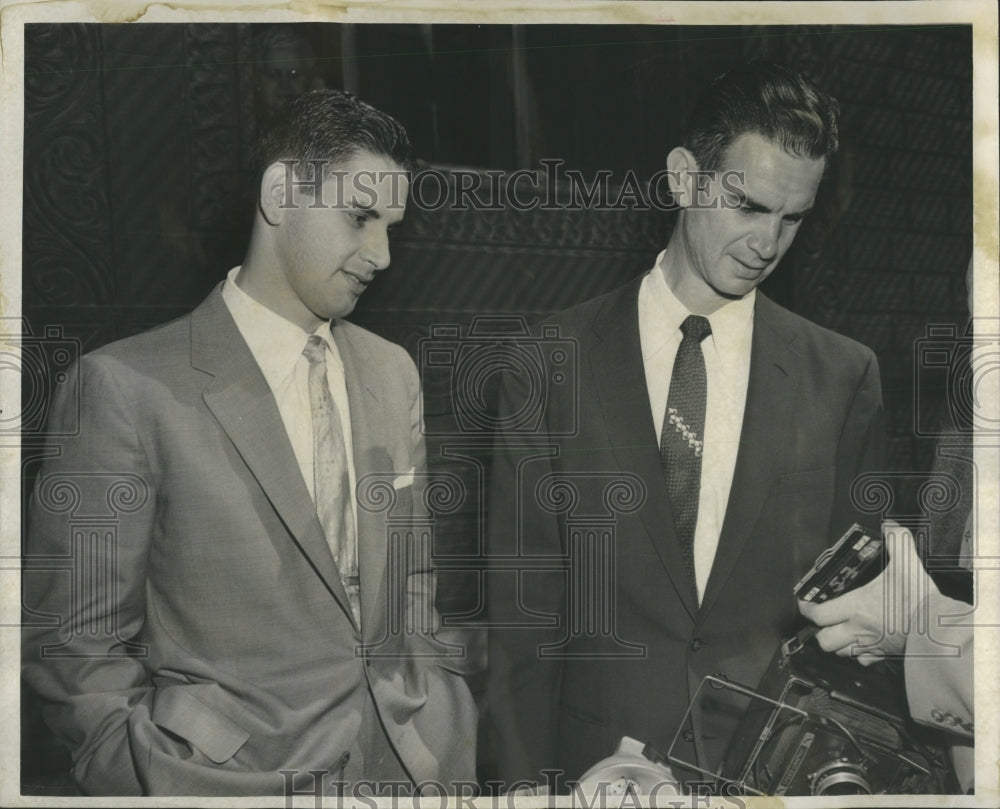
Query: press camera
point(819, 724)
point(823, 725)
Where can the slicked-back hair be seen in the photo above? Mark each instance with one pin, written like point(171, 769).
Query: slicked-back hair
point(768, 99)
point(331, 126)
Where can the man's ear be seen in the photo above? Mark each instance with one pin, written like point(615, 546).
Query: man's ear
point(681, 168)
point(273, 185)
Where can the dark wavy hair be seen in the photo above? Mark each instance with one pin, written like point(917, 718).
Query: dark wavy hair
point(770, 100)
point(332, 126)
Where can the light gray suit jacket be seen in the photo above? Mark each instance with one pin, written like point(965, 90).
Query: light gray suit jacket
point(939, 678)
point(187, 628)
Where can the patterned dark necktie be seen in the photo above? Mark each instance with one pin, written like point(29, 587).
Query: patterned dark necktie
point(331, 479)
point(683, 434)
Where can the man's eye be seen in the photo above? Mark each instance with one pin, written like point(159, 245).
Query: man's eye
point(358, 219)
point(732, 202)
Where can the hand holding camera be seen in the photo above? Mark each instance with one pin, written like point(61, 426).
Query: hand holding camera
point(873, 621)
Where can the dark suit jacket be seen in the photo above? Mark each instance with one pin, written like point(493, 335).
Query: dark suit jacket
point(617, 644)
point(204, 640)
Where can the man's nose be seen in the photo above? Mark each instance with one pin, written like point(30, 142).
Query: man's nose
point(764, 238)
point(376, 249)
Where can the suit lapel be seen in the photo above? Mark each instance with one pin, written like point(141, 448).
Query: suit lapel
point(620, 380)
point(770, 393)
point(240, 399)
point(364, 395)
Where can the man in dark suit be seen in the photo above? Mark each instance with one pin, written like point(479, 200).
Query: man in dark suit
point(237, 613)
point(650, 531)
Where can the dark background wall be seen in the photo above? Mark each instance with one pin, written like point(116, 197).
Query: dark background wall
point(138, 141)
point(138, 188)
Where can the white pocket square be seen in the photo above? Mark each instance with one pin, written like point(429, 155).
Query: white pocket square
point(403, 481)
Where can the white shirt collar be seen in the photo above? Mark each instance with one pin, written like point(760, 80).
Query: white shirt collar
point(729, 322)
point(276, 343)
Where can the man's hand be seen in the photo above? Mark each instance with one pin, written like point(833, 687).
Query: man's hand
point(873, 621)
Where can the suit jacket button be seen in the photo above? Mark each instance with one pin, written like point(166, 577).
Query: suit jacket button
point(688, 735)
point(695, 644)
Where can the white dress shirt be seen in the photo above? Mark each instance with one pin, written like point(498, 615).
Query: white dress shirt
point(727, 370)
point(277, 345)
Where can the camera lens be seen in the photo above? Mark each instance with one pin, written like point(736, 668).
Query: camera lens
point(841, 778)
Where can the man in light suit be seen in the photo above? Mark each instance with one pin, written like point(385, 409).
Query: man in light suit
point(657, 542)
point(236, 606)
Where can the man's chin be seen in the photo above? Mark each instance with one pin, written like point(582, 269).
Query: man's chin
point(735, 292)
point(337, 312)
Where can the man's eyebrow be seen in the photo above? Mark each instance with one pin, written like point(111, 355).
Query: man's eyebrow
point(758, 207)
point(370, 212)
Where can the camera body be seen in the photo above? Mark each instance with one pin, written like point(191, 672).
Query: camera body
point(461, 373)
point(823, 725)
